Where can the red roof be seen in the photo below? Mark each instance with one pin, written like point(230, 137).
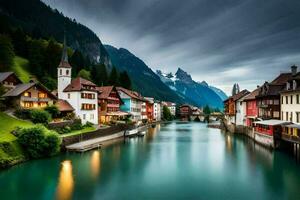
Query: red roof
point(104, 91)
point(64, 64)
point(132, 94)
point(63, 105)
point(282, 78)
point(252, 95)
point(239, 95)
point(78, 84)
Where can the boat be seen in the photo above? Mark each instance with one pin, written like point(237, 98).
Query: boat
point(142, 133)
point(131, 132)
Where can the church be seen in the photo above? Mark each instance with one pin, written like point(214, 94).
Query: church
point(80, 93)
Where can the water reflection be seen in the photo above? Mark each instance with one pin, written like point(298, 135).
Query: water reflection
point(66, 182)
point(95, 164)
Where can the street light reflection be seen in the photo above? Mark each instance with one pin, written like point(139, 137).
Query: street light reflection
point(66, 182)
point(95, 164)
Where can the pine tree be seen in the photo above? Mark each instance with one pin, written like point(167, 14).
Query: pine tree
point(20, 42)
point(52, 57)
point(102, 74)
point(84, 74)
point(113, 77)
point(124, 80)
point(6, 53)
point(77, 62)
point(36, 57)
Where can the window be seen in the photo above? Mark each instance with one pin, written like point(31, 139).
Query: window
point(297, 117)
point(42, 95)
point(286, 116)
point(83, 116)
point(67, 72)
point(87, 96)
point(291, 99)
point(69, 95)
point(281, 115)
point(276, 102)
point(297, 98)
point(86, 106)
point(282, 100)
point(276, 114)
point(286, 100)
point(291, 119)
point(60, 72)
point(27, 94)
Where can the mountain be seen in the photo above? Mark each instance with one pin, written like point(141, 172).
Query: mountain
point(143, 78)
point(41, 21)
point(201, 93)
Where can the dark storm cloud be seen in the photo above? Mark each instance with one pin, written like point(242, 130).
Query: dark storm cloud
point(221, 41)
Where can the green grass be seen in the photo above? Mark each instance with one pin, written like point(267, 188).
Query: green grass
point(85, 130)
point(10, 150)
point(8, 124)
point(20, 67)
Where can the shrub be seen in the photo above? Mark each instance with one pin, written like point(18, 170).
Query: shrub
point(23, 113)
point(40, 116)
point(39, 142)
point(76, 125)
point(53, 110)
point(70, 116)
point(88, 124)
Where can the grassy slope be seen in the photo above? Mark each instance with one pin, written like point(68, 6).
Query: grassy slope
point(10, 150)
point(8, 124)
point(20, 68)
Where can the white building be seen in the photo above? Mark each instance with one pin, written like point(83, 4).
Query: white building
point(157, 111)
point(132, 103)
point(240, 106)
point(290, 99)
point(80, 93)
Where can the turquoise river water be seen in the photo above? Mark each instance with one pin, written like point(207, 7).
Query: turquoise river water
point(173, 161)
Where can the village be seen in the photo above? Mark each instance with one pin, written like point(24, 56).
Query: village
point(270, 114)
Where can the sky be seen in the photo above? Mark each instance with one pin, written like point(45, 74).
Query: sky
point(220, 41)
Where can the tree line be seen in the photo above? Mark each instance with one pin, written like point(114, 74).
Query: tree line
point(44, 55)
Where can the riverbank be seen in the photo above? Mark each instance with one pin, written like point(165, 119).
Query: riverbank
point(12, 153)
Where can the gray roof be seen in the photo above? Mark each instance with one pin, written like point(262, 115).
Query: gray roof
point(272, 122)
point(19, 89)
point(4, 75)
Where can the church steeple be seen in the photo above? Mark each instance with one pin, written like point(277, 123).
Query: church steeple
point(64, 57)
point(63, 72)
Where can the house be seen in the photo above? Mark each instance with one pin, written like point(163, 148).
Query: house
point(251, 108)
point(240, 105)
point(109, 102)
point(64, 107)
point(157, 111)
point(268, 97)
point(171, 106)
point(290, 105)
point(268, 132)
point(80, 93)
point(30, 95)
point(185, 112)
point(132, 103)
point(234, 109)
point(9, 80)
point(150, 108)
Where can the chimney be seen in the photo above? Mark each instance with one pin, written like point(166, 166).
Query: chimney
point(294, 70)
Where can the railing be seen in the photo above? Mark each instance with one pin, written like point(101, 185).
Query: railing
point(35, 99)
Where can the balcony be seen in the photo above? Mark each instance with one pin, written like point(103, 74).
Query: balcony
point(35, 99)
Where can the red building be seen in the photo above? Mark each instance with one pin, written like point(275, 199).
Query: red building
point(109, 103)
point(185, 112)
point(251, 107)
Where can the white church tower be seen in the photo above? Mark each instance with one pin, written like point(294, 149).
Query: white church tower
point(63, 73)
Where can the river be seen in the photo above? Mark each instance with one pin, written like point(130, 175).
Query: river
point(173, 161)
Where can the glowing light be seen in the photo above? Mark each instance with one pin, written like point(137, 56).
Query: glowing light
point(95, 164)
point(65, 185)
